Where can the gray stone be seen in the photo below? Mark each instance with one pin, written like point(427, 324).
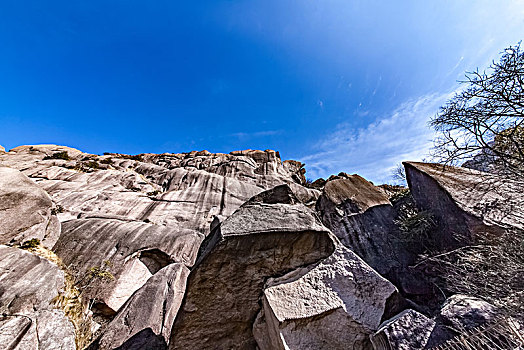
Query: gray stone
point(131, 252)
point(26, 211)
point(408, 330)
point(154, 307)
point(465, 201)
point(28, 285)
point(335, 304)
point(269, 235)
point(462, 312)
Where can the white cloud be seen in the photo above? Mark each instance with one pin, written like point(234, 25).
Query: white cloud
point(246, 135)
point(374, 151)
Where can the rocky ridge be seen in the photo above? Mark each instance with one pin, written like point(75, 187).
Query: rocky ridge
point(232, 251)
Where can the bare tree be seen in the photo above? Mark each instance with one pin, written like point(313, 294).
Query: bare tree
point(484, 123)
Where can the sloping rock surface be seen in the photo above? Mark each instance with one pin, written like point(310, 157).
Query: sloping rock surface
point(28, 285)
point(131, 252)
point(466, 200)
point(187, 190)
point(153, 308)
point(269, 235)
point(26, 211)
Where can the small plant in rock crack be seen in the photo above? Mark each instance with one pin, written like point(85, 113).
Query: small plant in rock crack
point(59, 155)
point(58, 209)
point(415, 225)
point(101, 273)
point(30, 244)
point(153, 193)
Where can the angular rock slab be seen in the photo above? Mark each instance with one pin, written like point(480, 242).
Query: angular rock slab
point(26, 211)
point(336, 304)
point(408, 330)
point(269, 235)
point(28, 284)
point(462, 312)
point(466, 200)
point(131, 252)
point(153, 307)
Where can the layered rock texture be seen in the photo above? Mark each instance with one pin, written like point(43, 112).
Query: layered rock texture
point(229, 251)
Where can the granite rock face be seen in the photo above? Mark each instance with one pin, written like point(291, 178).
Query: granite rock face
point(465, 201)
point(335, 304)
point(230, 251)
point(269, 235)
point(28, 285)
point(111, 259)
point(153, 307)
point(26, 211)
point(361, 216)
point(186, 190)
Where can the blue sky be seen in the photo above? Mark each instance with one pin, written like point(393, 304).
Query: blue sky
point(341, 85)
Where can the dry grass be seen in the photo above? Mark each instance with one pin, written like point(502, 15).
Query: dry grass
point(69, 299)
point(492, 269)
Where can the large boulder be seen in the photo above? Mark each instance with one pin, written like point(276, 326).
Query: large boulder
point(269, 235)
point(335, 304)
point(466, 202)
point(153, 307)
point(28, 286)
point(111, 259)
point(26, 211)
point(364, 220)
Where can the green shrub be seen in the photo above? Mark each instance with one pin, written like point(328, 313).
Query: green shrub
point(93, 164)
point(106, 161)
point(59, 155)
point(58, 209)
point(97, 272)
point(30, 244)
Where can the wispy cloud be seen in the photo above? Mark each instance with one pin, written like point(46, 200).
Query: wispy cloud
point(374, 151)
point(246, 135)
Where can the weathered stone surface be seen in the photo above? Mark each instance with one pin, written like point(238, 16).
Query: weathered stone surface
point(462, 312)
point(28, 284)
point(187, 190)
point(269, 235)
point(26, 211)
point(154, 307)
point(408, 330)
point(335, 304)
point(362, 217)
point(2, 149)
point(466, 201)
point(131, 252)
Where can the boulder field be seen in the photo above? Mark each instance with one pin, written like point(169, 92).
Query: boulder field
point(204, 250)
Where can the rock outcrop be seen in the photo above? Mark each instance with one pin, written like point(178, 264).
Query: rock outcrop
point(205, 250)
point(26, 211)
point(28, 319)
point(111, 259)
point(465, 201)
point(269, 235)
point(335, 304)
point(150, 311)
